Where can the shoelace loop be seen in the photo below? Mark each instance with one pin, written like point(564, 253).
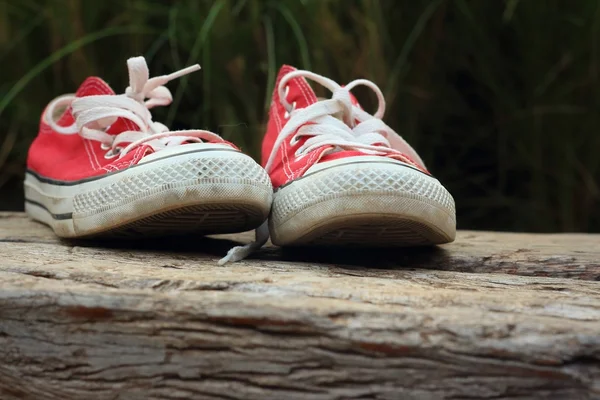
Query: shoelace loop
point(336, 122)
point(94, 114)
point(141, 87)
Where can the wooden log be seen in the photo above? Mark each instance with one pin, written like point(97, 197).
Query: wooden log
point(491, 316)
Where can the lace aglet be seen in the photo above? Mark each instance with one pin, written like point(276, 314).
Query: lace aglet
point(185, 71)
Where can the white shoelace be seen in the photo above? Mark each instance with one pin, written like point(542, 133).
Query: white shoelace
point(355, 130)
point(95, 114)
point(238, 253)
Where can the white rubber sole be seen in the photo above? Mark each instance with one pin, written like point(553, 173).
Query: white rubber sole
point(363, 201)
point(199, 188)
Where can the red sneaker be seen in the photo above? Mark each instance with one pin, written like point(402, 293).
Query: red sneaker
point(342, 176)
point(101, 166)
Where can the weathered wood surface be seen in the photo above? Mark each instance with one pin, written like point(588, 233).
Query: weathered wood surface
point(492, 316)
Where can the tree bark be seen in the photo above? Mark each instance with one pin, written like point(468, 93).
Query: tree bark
point(491, 316)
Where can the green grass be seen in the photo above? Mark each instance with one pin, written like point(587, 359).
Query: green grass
point(501, 98)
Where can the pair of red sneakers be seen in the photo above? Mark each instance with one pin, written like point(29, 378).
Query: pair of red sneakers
point(333, 173)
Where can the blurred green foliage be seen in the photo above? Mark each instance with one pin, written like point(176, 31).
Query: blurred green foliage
point(501, 98)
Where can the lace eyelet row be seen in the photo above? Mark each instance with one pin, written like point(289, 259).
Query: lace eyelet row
point(294, 141)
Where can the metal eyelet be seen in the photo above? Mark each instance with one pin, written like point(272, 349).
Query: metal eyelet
point(104, 146)
point(285, 95)
point(113, 153)
point(295, 140)
point(287, 113)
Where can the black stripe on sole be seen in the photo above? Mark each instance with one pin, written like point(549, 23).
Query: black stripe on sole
point(58, 217)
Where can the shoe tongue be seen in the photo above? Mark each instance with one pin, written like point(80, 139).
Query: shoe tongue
point(94, 86)
point(355, 101)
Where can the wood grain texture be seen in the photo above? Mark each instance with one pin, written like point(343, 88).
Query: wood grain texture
point(492, 316)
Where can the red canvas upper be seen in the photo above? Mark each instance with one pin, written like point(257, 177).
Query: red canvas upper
point(286, 166)
point(71, 157)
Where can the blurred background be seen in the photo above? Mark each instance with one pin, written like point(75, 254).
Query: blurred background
point(500, 98)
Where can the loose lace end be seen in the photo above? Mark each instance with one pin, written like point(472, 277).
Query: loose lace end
point(238, 253)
